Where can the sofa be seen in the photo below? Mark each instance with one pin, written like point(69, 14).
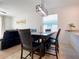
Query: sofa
point(10, 38)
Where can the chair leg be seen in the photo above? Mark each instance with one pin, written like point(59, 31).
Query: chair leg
point(40, 53)
point(40, 57)
point(32, 55)
point(56, 53)
point(58, 50)
point(21, 53)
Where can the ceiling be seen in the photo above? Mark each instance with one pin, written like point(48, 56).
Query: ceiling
point(54, 5)
point(59, 3)
point(22, 6)
point(17, 7)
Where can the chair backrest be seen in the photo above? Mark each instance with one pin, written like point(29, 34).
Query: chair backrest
point(58, 33)
point(25, 36)
point(57, 43)
point(48, 30)
point(33, 30)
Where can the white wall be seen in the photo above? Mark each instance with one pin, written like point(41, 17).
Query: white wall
point(8, 20)
point(0, 27)
point(33, 19)
point(33, 22)
point(66, 16)
point(6, 23)
point(25, 9)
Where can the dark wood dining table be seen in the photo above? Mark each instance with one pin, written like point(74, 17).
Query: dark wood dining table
point(42, 38)
point(41, 34)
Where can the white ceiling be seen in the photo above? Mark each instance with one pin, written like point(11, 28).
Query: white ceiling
point(17, 6)
point(59, 3)
point(54, 5)
point(22, 6)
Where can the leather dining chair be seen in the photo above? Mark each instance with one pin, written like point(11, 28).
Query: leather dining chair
point(27, 44)
point(54, 44)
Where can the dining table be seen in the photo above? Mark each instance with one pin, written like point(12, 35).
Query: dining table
point(43, 37)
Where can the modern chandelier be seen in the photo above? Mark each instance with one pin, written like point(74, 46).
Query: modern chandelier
point(40, 8)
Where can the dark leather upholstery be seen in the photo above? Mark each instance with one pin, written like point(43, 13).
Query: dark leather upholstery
point(10, 38)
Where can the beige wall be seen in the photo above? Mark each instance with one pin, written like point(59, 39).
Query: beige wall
point(66, 16)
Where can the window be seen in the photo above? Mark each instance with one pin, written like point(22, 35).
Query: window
point(50, 23)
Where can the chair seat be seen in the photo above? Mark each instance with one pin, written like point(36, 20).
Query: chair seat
point(53, 41)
